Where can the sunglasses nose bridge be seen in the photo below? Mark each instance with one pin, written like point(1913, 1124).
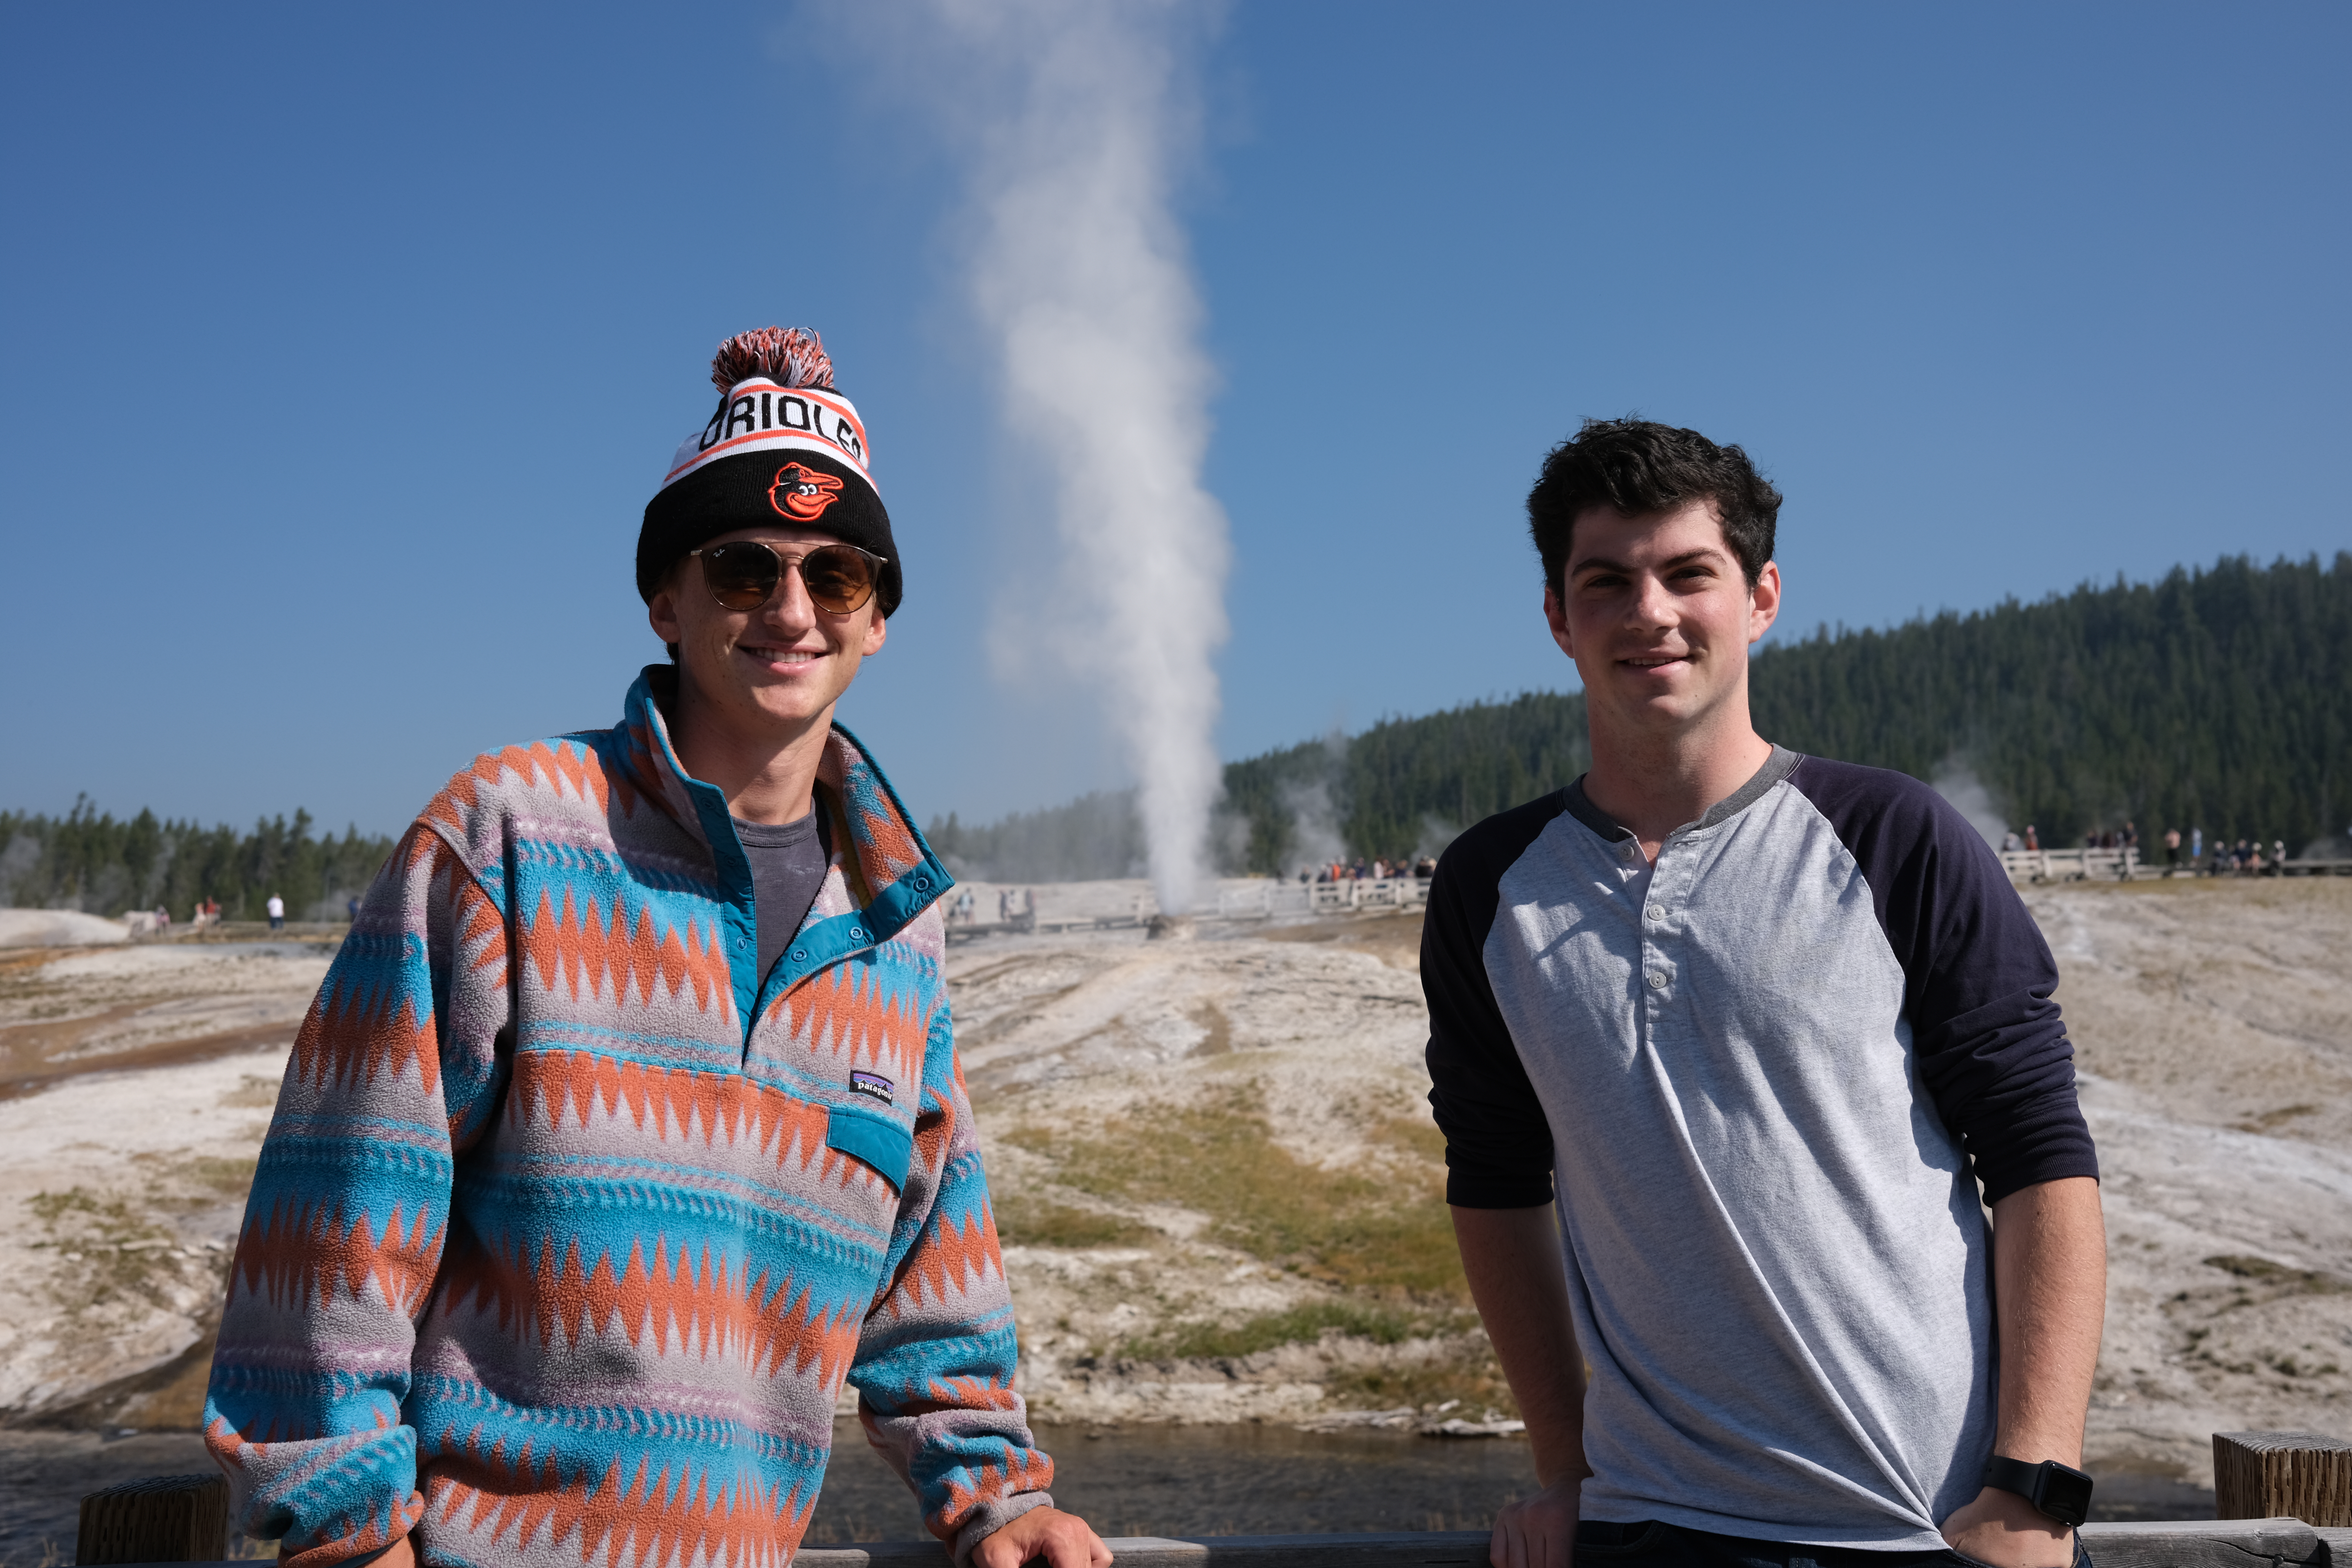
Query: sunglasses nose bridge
point(791, 595)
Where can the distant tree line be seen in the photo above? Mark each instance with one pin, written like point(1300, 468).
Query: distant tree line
point(1094, 836)
point(2217, 699)
point(92, 861)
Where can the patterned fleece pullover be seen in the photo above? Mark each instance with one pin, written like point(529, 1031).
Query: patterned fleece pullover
point(568, 1230)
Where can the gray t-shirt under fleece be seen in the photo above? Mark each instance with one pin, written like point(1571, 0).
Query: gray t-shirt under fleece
point(1759, 1077)
point(788, 862)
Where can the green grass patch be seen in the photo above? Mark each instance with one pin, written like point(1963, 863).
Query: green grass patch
point(2290, 1281)
point(1383, 1229)
point(1468, 1373)
point(1039, 1222)
point(1380, 1323)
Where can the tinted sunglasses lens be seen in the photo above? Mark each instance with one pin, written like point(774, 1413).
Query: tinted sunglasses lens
point(740, 576)
point(839, 579)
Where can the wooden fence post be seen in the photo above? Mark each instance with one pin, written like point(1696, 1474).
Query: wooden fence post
point(163, 1519)
point(2283, 1475)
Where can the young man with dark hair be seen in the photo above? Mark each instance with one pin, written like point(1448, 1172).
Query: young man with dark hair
point(627, 1126)
point(1723, 1040)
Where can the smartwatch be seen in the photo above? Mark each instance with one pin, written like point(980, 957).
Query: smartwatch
point(2061, 1491)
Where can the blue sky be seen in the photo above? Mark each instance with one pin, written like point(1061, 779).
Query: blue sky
point(343, 346)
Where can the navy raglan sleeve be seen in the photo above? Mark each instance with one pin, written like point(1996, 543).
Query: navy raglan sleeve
point(1979, 978)
point(1497, 1142)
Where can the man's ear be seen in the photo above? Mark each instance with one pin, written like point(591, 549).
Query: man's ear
point(1556, 618)
point(877, 630)
point(1764, 601)
point(661, 612)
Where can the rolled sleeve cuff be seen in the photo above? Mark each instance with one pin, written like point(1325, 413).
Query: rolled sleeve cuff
point(994, 1517)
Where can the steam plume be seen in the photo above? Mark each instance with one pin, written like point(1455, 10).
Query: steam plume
point(1958, 783)
point(1074, 118)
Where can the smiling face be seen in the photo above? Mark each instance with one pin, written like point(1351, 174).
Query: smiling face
point(763, 676)
point(1658, 617)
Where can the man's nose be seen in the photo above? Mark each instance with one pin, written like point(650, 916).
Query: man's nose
point(1652, 606)
point(791, 603)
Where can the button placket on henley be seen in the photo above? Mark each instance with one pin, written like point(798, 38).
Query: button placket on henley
point(1654, 921)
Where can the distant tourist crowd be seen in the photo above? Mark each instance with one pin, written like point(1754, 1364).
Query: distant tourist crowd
point(1372, 870)
point(2246, 857)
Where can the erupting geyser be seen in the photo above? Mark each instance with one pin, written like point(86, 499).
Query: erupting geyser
point(1073, 118)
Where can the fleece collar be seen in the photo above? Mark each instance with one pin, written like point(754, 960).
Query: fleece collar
point(892, 875)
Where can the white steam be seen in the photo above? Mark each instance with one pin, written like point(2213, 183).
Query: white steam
point(1314, 840)
point(1959, 784)
point(1074, 119)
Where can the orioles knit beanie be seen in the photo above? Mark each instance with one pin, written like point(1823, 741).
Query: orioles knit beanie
point(782, 446)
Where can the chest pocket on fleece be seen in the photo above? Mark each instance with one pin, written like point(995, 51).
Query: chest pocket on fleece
point(874, 1137)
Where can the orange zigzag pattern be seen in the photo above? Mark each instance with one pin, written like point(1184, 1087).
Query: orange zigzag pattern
point(706, 1308)
point(483, 926)
point(846, 1009)
point(580, 947)
point(948, 1256)
point(649, 1521)
point(968, 1393)
point(301, 1251)
point(559, 767)
point(429, 860)
point(885, 844)
point(376, 1532)
point(552, 1085)
point(1024, 1470)
point(360, 1037)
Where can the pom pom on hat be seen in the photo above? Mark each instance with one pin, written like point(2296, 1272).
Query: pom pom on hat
point(789, 356)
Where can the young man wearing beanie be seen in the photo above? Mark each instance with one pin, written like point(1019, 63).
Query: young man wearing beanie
point(627, 1126)
point(1723, 1040)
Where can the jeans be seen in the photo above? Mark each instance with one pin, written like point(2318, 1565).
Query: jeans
point(1601, 1543)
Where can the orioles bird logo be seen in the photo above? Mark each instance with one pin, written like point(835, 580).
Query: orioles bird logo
point(803, 494)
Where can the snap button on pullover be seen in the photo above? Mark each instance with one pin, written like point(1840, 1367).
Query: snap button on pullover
point(1657, 980)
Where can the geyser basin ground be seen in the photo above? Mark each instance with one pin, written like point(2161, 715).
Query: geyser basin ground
point(1217, 1187)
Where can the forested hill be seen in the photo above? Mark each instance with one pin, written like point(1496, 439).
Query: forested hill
point(2219, 699)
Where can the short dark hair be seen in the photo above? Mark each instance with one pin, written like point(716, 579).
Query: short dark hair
point(1635, 467)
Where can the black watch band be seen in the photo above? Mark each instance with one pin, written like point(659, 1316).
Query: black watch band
point(2060, 1492)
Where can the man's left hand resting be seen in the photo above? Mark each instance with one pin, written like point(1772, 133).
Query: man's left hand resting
point(2050, 1287)
point(1062, 1540)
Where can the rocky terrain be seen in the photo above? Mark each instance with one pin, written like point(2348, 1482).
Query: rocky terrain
point(1218, 1190)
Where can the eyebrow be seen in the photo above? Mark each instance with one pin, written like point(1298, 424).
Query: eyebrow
point(1602, 564)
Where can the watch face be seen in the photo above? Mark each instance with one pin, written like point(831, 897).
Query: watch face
point(2066, 1494)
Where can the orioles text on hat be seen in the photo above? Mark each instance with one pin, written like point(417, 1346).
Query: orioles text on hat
point(744, 413)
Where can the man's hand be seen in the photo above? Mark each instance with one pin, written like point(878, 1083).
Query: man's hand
point(2004, 1530)
point(1062, 1540)
point(400, 1554)
point(1538, 1531)
point(2050, 1273)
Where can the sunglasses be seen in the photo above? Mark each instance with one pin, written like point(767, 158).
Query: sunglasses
point(741, 576)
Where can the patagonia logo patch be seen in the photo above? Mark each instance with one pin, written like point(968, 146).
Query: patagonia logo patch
point(871, 1083)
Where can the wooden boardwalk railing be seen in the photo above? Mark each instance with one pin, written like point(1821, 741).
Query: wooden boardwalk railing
point(2073, 865)
point(2126, 865)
